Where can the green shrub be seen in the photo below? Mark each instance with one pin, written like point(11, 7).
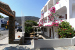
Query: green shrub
point(28, 26)
point(65, 30)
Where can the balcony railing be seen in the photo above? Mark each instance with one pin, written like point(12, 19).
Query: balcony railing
point(60, 4)
point(46, 14)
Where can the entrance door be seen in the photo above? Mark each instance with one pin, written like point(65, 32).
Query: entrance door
point(50, 32)
point(65, 16)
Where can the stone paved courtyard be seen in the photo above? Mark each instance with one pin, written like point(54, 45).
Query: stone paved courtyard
point(30, 47)
point(59, 48)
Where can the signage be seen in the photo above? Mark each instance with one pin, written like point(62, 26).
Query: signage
point(3, 21)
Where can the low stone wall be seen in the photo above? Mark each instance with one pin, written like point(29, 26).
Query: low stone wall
point(48, 43)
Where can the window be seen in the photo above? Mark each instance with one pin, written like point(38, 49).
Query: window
point(2, 25)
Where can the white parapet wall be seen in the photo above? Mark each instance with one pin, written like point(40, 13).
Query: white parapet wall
point(48, 43)
point(72, 21)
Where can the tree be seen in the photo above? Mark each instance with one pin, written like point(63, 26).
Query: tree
point(28, 26)
point(1, 16)
point(65, 30)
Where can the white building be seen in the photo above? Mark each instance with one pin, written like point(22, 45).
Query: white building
point(16, 24)
point(65, 8)
point(2, 22)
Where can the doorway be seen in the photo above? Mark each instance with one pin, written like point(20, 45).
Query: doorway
point(50, 32)
point(65, 16)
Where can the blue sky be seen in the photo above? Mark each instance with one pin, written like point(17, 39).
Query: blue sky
point(27, 7)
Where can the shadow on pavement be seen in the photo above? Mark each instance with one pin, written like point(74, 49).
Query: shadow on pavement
point(17, 48)
point(47, 49)
point(3, 44)
point(28, 42)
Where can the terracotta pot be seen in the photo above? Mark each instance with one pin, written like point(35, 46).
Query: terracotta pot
point(18, 36)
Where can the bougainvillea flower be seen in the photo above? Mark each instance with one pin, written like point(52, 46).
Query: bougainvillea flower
point(61, 21)
point(52, 18)
point(63, 29)
point(70, 33)
point(56, 25)
point(71, 26)
point(52, 9)
point(50, 14)
point(41, 14)
point(57, 3)
point(55, 20)
point(48, 21)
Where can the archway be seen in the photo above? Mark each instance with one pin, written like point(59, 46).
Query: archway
point(5, 9)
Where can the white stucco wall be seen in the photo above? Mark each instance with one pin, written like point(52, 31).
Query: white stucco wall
point(72, 22)
point(72, 18)
point(48, 43)
point(51, 34)
point(55, 32)
point(47, 33)
point(73, 12)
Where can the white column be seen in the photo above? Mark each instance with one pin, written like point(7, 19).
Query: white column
point(47, 7)
point(43, 12)
point(34, 33)
point(47, 19)
point(43, 16)
point(47, 11)
point(54, 2)
point(37, 32)
point(69, 10)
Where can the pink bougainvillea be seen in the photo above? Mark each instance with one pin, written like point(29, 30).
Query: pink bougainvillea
point(53, 23)
point(40, 25)
point(57, 3)
point(52, 18)
point(42, 14)
point(50, 14)
point(55, 20)
point(61, 21)
point(52, 9)
point(56, 25)
point(48, 21)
